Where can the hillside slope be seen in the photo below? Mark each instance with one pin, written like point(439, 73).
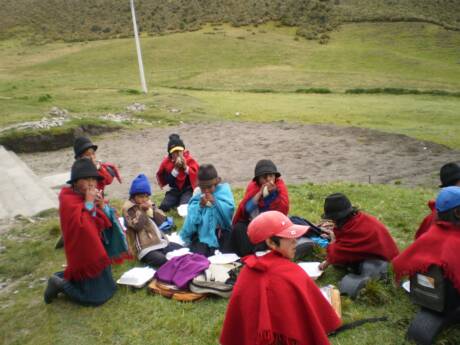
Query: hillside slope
point(77, 20)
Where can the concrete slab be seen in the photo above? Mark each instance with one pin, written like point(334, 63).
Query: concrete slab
point(21, 191)
point(56, 181)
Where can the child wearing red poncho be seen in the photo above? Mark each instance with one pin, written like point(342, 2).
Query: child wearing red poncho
point(179, 171)
point(266, 192)
point(355, 236)
point(450, 176)
point(87, 278)
point(84, 148)
point(439, 246)
point(274, 301)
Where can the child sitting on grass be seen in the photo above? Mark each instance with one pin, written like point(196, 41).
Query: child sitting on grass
point(355, 236)
point(208, 223)
point(266, 192)
point(142, 219)
point(274, 301)
point(84, 148)
point(177, 170)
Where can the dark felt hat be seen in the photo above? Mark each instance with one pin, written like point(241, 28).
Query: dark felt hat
point(175, 143)
point(265, 166)
point(83, 168)
point(207, 175)
point(337, 206)
point(81, 144)
point(449, 174)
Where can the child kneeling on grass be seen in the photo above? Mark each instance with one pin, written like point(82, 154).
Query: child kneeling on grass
point(208, 223)
point(355, 235)
point(274, 301)
point(142, 219)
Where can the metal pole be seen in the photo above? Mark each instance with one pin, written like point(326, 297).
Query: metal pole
point(138, 48)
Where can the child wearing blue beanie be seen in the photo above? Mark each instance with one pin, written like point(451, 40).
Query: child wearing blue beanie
point(142, 219)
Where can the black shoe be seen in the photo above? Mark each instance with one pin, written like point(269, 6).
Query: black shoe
point(55, 285)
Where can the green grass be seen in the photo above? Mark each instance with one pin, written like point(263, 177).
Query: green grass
point(200, 74)
point(135, 317)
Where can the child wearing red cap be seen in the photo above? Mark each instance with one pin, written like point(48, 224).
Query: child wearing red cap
point(274, 301)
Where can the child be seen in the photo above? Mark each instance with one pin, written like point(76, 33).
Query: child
point(439, 246)
point(274, 301)
point(265, 192)
point(142, 218)
point(84, 148)
point(178, 170)
point(355, 236)
point(207, 226)
point(87, 278)
point(450, 176)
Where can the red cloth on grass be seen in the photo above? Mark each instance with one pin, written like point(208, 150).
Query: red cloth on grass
point(85, 253)
point(275, 302)
point(281, 203)
point(167, 165)
point(362, 237)
point(428, 220)
point(105, 171)
point(439, 246)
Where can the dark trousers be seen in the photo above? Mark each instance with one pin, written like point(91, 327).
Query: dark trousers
point(156, 258)
point(240, 241)
point(176, 197)
point(224, 239)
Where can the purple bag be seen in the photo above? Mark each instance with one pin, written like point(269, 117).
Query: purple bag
point(182, 269)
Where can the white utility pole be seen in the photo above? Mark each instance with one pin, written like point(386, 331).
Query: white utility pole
point(138, 48)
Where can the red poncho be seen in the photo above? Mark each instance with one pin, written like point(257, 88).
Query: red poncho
point(85, 253)
point(167, 165)
point(275, 302)
point(439, 246)
point(362, 237)
point(281, 203)
point(428, 220)
point(105, 171)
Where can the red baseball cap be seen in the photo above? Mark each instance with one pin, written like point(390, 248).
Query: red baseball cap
point(273, 223)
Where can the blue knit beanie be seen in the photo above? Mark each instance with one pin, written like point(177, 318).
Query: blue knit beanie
point(140, 185)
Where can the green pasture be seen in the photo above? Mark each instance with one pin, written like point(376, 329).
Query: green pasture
point(136, 317)
point(218, 71)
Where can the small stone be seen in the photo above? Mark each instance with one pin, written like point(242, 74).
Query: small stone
point(174, 110)
point(16, 292)
point(237, 113)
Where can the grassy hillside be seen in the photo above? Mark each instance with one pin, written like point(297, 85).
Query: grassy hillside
point(135, 317)
point(220, 70)
point(79, 20)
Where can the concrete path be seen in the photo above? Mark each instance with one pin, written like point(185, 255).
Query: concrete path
point(21, 191)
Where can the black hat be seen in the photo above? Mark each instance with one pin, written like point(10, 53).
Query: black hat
point(81, 144)
point(83, 168)
point(337, 206)
point(265, 166)
point(207, 175)
point(449, 174)
point(175, 143)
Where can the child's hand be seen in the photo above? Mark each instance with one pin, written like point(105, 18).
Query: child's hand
point(328, 234)
point(203, 200)
point(99, 200)
point(271, 186)
point(146, 205)
point(322, 266)
point(210, 198)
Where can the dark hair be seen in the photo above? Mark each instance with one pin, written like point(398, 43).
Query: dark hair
point(451, 216)
point(276, 240)
point(342, 221)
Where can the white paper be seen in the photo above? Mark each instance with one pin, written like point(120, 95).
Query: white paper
point(222, 259)
point(137, 276)
point(174, 237)
point(177, 252)
point(311, 268)
point(406, 285)
point(121, 220)
point(182, 210)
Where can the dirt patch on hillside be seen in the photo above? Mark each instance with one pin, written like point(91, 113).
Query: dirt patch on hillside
point(303, 153)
